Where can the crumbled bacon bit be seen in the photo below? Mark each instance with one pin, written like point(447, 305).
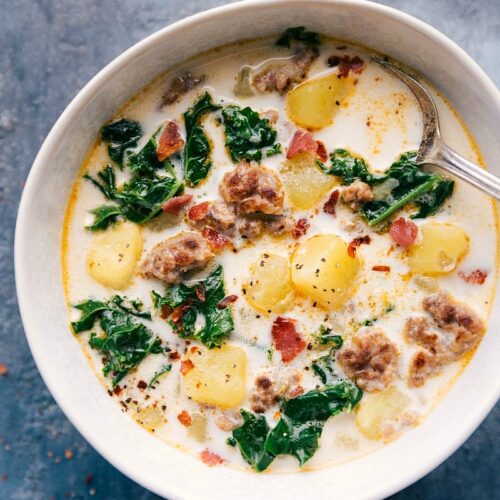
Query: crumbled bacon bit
point(476, 277)
point(300, 228)
point(216, 240)
point(382, 269)
point(3, 369)
point(286, 339)
point(185, 418)
point(321, 152)
point(210, 458)
point(200, 292)
point(346, 64)
point(176, 204)
point(179, 311)
point(296, 391)
point(117, 390)
point(403, 232)
point(355, 243)
point(169, 142)
point(303, 141)
point(330, 206)
point(174, 356)
point(165, 311)
point(226, 301)
point(199, 211)
point(186, 366)
point(142, 385)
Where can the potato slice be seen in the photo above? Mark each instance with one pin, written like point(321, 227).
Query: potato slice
point(440, 250)
point(313, 103)
point(377, 411)
point(323, 270)
point(270, 287)
point(113, 255)
point(218, 376)
point(150, 418)
point(305, 184)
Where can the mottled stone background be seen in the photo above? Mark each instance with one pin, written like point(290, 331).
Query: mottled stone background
point(48, 50)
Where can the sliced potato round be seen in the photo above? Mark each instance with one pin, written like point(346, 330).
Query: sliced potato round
point(150, 418)
point(323, 270)
point(440, 250)
point(305, 184)
point(313, 103)
point(270, 286)
point(113, 255)
point(218, 376)
point(377, 411)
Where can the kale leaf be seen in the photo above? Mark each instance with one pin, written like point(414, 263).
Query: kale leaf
point(298, 431)
point(200, 298)
point(145, 162)
point(105, 215)
point(325, 336)
point(298, 34)
point(248, 135)
point(428, 191)
point(196, 156)
point(126, 342)
point(251, 438)
point(120, 136)
point(323, 366)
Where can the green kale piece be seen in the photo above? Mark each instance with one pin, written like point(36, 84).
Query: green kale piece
point(120, 136)
point(196, 157)
point(162, 371)
point(105, 215)
point(204, 298)
point(247, 135)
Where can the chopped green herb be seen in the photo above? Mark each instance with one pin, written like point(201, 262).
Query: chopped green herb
point(247, 135)
point(371, 321)
point(125, 342)
point(196, 157)
point(270, 353)
point(120, 136)
point(200, 298)
point(163, 369)
point(298, 431)
point(325, 336)
point(298, 34)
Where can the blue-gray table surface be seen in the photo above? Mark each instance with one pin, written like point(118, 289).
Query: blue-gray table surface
point(48, 50)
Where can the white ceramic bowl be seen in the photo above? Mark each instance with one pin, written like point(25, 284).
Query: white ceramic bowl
point(66, 372)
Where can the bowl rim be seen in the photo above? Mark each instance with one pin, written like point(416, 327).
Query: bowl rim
point(50, 145)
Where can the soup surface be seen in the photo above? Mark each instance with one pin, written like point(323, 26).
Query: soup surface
point(258, 270)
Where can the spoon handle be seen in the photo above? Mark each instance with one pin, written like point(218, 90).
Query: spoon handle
point(451, 161)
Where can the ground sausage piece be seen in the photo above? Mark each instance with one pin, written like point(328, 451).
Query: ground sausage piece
point(277, 225)
point(180, 85)
point(168, 260)
point(356, 194)
point(453, 330)
point(228, 420)
point(216, 214)
point(281, 76)
point(370, 359)
point(253, 189)
point(250, 228)
point(271, 388)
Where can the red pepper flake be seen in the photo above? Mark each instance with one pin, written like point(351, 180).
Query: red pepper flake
point(3, 370)
point(176, 204)
point(330, 206)
point(300, 228)
point(382, 269)
point(216, 240)
point(179, 311)
point(174, 356)
point(476, 277)
point(226, 301)
point(321, 152)
point(355, 243)
point(200, 292)
point(142, 385)
point(185, 418)
point(210, 458)
point(117, 390)
point(199, 211)
point(346, 64)
point(403, 232)
point(186, 366)
point(169, 142)
point(286, 339)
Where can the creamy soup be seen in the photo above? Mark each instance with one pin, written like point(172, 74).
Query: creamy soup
point(263, 275)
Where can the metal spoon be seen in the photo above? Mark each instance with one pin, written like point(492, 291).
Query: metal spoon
point(432, 148)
